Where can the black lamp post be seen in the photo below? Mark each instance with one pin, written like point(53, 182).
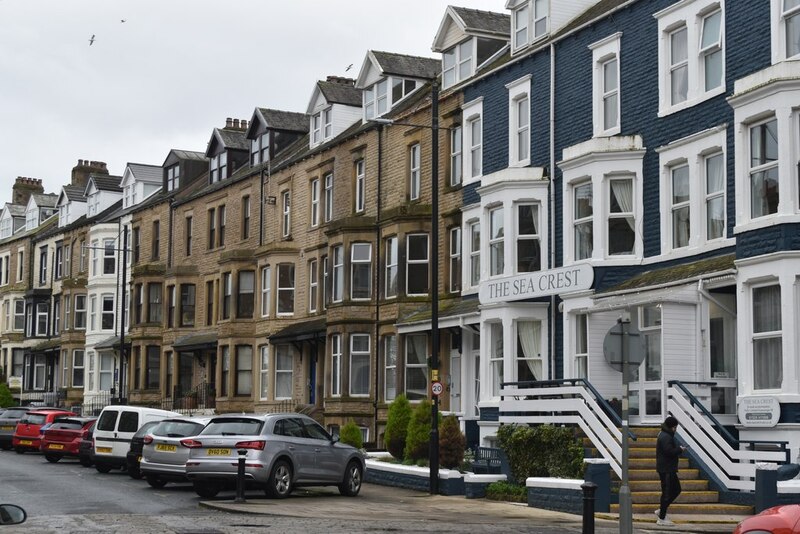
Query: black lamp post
point(433, 459)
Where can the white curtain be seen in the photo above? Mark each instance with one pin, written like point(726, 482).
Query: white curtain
point(767, 349)
point(623, 192)
point(715, 182)
point(530, 339)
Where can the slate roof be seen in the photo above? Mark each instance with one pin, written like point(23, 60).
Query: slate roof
point(301, 331)
point(285, 120)
point(107, 183)
point(449, 308)
point(147, 173)
point(236, 139)
point(337, 93)
point(597, 10)
point(16, 210)
point(676, 273)
point(198, 340)
point(47, 200)
point(75, 193)
point(407, 66)
point(189, 154)
point(476, 20)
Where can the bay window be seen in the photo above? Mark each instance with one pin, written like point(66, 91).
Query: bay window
point(390, 367)
point(583, 223)
point(245, 300)
point(474, 254)
point(360, 271)
point(359, 364)
point(336, 365)
point(286, 289)
point(496, 356)
point(244, 370)
point(283, 372)
point(496, 241)
point(529, 254)
point(417, 258)
point(391, 267)
point(763, 168)
point(416, 378)
point(338, 274)
point(621, 221)
point(455, 259)
point(529, 351)
point(767, 337)
point(414, 178)
point(715, 196)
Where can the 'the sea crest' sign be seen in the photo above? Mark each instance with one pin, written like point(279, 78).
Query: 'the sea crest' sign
point(538, 284)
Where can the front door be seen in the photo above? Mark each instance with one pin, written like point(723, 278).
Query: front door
point(185, 370)
point(454, 380)
point(722, 352)
point(646, 387)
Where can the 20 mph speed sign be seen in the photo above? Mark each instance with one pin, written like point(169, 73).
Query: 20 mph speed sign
point(437, 388)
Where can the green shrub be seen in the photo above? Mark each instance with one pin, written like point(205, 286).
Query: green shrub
point(503, 491)
point(6, 400)
point(541, 451)
point(351, 435)
point(397, 426)
point(418, 438)
point(451, 443)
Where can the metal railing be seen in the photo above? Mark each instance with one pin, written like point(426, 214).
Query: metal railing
point(201, 397)
point(573, 402)
point(53, 399)
point(732, 462)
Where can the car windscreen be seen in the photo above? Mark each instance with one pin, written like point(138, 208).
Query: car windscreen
point(235, 426)
point(33, 419)
point(13, 414)
point(177, 429)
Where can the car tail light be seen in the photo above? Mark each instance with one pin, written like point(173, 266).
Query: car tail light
point(190, 443)
point(84, 434)
point(148, 439)
point(258, 445)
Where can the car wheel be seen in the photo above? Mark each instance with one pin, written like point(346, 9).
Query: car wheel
point(102, 468)
point(156, 482)
point(279, 485)
point(351, 484)
point(52, 458)
point(85, 461)
point(206, 490)
point(19, 450)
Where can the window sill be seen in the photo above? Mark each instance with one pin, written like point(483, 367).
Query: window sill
point(669, 110)
point(766, 221)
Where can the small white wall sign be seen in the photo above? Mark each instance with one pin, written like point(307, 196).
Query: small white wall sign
point(759, 411)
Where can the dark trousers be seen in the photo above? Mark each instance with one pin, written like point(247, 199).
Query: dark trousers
point(670, 489)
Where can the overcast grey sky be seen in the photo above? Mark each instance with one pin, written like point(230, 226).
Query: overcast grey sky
point(174, 70)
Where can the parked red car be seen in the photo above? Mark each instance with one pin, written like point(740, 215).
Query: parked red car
point(784, 519)
point(28, 434)
point(64, 437)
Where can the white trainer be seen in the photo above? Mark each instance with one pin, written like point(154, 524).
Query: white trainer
point(665, 522)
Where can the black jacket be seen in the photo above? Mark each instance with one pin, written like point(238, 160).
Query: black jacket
point(667, 452)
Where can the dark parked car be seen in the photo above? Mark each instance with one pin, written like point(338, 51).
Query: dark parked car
point(63, 437)
point(86, 448)
point(28, 434)
point(284, 451)
point(8, 423)
point(164, 457)
point(134, 455)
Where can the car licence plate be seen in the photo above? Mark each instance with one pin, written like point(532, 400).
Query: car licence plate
point(219, 452)
point(25, 442)
point(55, 446)
point(6, 428)
point(104, 450)
point(166, 448)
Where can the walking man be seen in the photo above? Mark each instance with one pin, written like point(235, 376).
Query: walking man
point(667, 453)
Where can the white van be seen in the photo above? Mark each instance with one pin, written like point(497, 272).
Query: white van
point(115, 427)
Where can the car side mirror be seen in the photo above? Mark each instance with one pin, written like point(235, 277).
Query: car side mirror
point(11, 514)
point(335, 438)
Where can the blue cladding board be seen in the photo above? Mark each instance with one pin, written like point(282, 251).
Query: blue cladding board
point(470, 194)
point(768, 240)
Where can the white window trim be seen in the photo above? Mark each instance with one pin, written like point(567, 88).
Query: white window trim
point(516, 236)
point(354, 262)
point(690, 14)
point(747, 335)
point(263, 375)
point(597, 168)
point(387, 367)
point(692, 151)
point(414, 171)
point(456, 154)
point(392, 244)
point(518, 90)
point(455, 256)
point(501, 241)
point(426, 261)
point(336, 365)
point(314, 186)
point(313, 285)
point(289, 371)
point(337, 274)
point(292, 288)
point(778, 33)
point(603, 51)
point(328, 196)
point(286, 219)
point(361, 179)
point(467, 279)
point(472, 111)
point(266, 290)
point(517, 28)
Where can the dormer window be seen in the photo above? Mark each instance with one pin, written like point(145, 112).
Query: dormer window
point(219, 167)
point(173, 177)
point(321, 126)
point(378, 99)
point(460, 62)
point(259, 149)
point(523, 20)
point(5, 227)
point(32, 219)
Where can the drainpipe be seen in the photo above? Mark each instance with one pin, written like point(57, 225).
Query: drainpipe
point(261, 212)
point(170, 236)
point(551, 192)
point(377, 277)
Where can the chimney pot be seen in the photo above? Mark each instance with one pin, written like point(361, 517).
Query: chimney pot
point(236, 123)
point(228, 122)
point(244, 124)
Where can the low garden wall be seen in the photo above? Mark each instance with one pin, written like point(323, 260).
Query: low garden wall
point(451, 482)
point(560, 494)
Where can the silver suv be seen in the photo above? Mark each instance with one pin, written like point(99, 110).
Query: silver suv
point(163, 456)
point(284, 451)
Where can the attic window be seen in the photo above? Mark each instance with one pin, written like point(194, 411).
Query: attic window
point(173, 177)
point(378, 100)
point(259, 149)
point(219, 167)
point(321, 126)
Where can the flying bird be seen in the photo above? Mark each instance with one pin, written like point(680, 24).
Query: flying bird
point(123, 20)
point(91, 40)
point(349, 67)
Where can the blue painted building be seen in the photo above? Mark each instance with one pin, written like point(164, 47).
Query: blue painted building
point(652, 147)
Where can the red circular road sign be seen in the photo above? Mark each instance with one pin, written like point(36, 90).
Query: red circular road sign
point(437, 388)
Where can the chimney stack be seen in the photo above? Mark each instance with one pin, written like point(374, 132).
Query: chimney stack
point(341, 80)
point(23, 188)
point(81, 172)
point(235, 124)
point(229, 123)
